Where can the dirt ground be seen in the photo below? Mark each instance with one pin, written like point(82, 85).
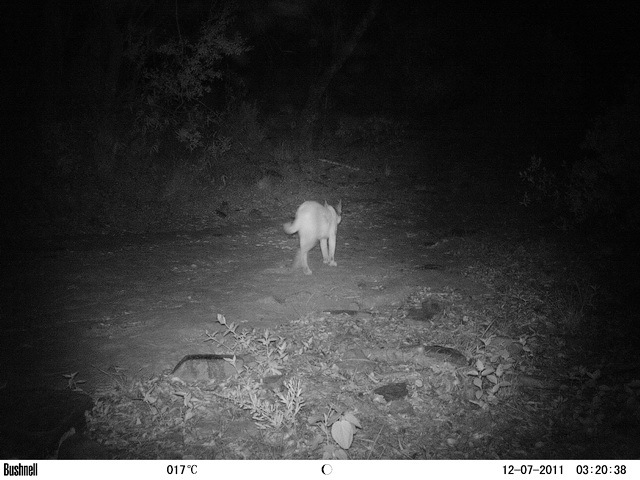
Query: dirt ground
point(422, 222)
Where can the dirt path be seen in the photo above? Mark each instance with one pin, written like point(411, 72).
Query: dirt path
point(91, 304)
point(108, 308)
point(139, 303)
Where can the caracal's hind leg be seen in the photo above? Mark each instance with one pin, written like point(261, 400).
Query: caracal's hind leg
point(325, 251)
point(332, 251)
point(305, 245)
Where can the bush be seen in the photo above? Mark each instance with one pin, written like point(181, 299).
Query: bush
point(601, 188)
point(178, 75)
point(605, 183)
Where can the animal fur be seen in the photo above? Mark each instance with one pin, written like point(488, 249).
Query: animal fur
point(315, 222)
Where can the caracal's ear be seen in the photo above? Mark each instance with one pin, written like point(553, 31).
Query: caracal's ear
point(339, 207)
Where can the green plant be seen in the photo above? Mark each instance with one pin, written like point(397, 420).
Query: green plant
point(177, 74)
point(272, 414)
point(339, 425)
point(601, 397)
point(270, 353)
point(602, 186)
point(490, 371)
point(488, 381)
point(189, 404)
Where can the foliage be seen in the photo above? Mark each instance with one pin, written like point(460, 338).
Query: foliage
point(600, 395)
point(606, 181)
point(178, 76)
point(342, 426)
point(180, 70)
point(603, 184)
point(269, 351)
point(267, 412)
point(491, 369)
point(125, 169)
point(270, 354)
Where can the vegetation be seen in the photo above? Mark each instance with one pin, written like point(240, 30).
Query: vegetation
point(307, 391)
point(601, 187)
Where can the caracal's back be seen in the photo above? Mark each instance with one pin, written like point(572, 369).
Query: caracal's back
point(315, 222)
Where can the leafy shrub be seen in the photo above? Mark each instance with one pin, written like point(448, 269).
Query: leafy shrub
point(601, 188)
point(606, 182)
point(177, 75)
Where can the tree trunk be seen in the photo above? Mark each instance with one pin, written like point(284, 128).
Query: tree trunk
point(310, 113)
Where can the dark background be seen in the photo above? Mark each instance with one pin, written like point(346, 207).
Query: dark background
point(543, 70)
